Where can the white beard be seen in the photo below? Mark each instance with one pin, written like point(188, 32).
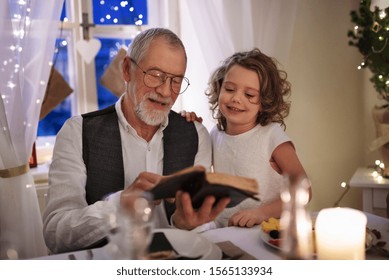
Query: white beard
point(149, 116)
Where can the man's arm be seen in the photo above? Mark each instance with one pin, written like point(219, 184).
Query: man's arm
point(69, 222)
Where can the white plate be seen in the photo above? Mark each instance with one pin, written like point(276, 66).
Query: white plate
point(191, 244)
point(370, 239)
point(265, 238)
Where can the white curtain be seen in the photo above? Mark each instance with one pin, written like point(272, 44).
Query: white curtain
point(28, 30)
point(213, 29)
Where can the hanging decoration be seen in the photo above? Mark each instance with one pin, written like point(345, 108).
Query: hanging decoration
point(87, 48)
point(112, 76)
point(57, 90)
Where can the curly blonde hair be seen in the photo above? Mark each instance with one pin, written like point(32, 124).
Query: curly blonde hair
point(273, 87)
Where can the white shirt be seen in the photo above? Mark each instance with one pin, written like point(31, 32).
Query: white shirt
point(69, 222)
point(248, 155)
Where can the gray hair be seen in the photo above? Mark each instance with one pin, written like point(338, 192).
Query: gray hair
point(141, 42)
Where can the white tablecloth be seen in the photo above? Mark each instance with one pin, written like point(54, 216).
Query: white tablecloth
point(248, 239)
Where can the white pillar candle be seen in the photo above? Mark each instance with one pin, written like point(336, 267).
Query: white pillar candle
point(340, 234)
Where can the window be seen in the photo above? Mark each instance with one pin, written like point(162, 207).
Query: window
point(116, 22)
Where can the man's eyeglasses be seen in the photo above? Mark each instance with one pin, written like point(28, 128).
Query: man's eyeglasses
point(154, 78)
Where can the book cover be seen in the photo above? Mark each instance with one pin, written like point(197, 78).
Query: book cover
point(200, 184)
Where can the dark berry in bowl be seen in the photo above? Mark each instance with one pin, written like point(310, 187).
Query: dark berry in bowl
point(275, 234)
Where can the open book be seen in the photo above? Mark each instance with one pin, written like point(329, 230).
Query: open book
point(200, 184)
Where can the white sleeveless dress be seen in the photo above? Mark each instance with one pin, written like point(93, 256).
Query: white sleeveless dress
point(248, 154)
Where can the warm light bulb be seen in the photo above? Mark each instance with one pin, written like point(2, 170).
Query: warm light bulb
point(343, 184)
point(377, 162)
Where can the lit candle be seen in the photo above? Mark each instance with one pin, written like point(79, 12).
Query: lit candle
point(340, 234)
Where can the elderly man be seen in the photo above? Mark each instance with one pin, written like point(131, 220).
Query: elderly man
point(127, 147)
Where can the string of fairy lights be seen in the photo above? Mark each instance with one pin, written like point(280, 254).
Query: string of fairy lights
point(370, 35)
point(20, 13)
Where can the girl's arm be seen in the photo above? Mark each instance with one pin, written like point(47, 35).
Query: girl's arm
point(285, 158)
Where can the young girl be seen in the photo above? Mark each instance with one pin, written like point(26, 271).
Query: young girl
point(246, 95)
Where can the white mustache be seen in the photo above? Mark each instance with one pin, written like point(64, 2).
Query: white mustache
point(156, 97)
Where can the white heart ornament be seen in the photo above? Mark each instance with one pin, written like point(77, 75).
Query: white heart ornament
point(88, 49)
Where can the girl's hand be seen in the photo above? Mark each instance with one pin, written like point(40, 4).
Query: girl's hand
point(255, 216)
point(191, 116)
point(246, 218)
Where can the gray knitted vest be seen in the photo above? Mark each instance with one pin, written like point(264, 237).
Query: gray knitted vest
point(102, 150)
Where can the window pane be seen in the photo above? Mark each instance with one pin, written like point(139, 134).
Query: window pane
point(105, 12)
point(120, 12)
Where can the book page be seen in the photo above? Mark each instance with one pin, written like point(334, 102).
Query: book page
point(242, 183)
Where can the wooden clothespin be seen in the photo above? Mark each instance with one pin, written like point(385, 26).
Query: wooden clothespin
point(85, 26)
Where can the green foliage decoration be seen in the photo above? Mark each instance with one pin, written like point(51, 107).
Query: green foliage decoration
point(371, 36)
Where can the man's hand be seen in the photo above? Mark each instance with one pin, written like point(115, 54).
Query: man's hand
point(144, 182)
point(185, 217)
